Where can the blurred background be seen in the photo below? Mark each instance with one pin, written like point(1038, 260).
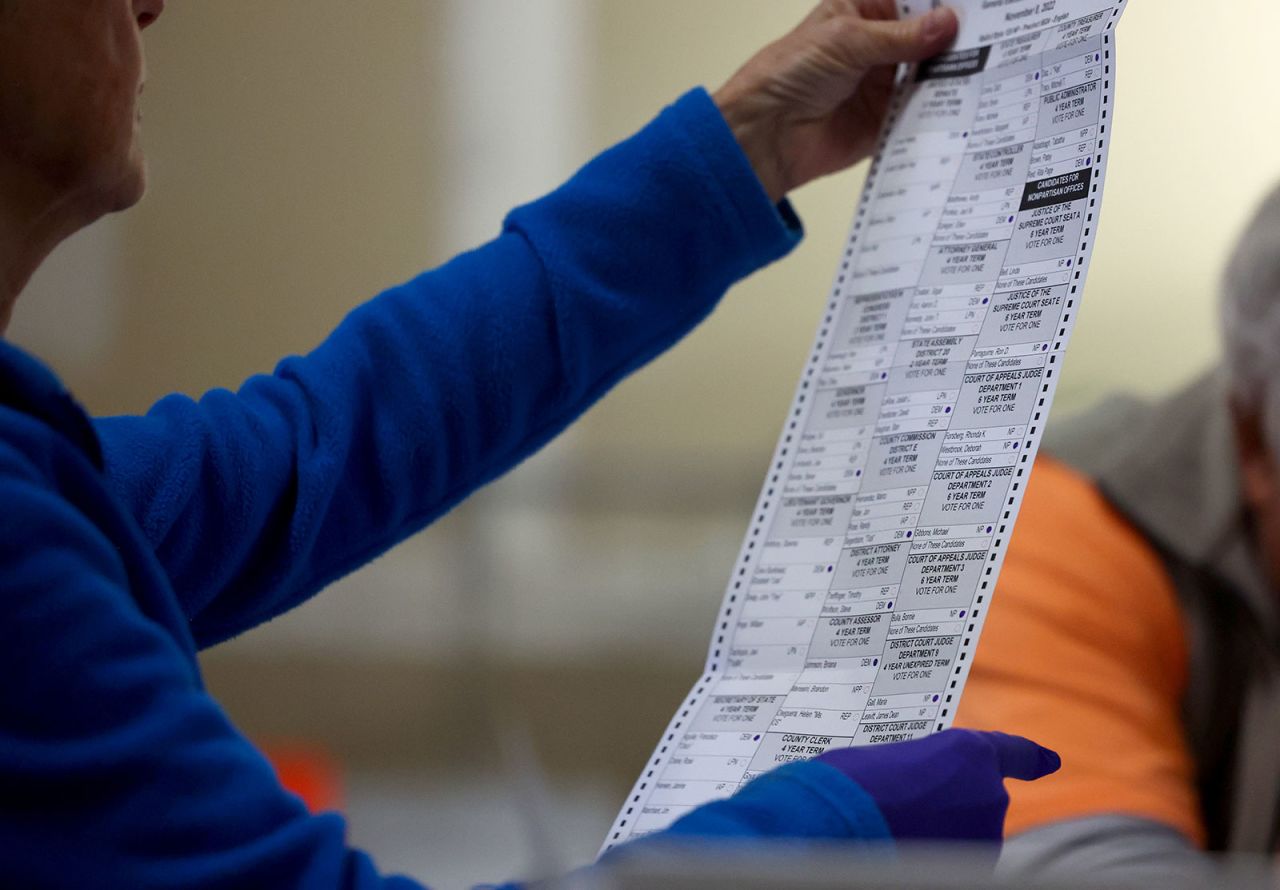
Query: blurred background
point(307, 153)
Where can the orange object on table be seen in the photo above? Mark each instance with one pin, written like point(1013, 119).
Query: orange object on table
point(309, 772)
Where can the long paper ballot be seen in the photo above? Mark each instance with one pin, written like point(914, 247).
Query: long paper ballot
point(853, 612)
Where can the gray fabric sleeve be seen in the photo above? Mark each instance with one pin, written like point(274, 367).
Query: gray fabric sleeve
point(1112, 848)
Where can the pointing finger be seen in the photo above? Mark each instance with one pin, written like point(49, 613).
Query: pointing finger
point(1021, 758)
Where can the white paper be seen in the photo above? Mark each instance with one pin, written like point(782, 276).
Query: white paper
point(854, 609)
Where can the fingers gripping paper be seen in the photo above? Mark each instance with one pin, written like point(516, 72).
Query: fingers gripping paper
point(854, 609)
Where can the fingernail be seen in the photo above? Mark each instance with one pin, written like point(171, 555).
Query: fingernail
point(936, 25)
point(1052, 761)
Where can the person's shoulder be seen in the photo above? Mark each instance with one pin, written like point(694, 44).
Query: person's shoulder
point(1085, 651)
point(27, 447)
point(51, 502)
point(36, 453)
point(1068, 525)
point(1080, 573)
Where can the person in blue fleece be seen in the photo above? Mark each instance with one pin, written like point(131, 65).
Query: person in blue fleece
point(129, 543)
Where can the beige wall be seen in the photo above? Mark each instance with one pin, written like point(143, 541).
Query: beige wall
point(298, 151)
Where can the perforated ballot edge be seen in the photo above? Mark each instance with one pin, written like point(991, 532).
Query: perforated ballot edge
point(637, 816)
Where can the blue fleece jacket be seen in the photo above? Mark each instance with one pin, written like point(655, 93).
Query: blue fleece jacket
point(128, 543)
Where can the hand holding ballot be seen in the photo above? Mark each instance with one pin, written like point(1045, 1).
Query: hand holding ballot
point(814, 102)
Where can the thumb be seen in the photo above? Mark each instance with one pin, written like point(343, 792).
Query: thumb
point(868, 43)
point(1021, 758)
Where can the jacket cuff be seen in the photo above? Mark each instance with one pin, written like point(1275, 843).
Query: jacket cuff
point(804, 801)
point(842, 795)
point(763, 229)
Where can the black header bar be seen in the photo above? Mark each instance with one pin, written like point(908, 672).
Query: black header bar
point(1063, 189)
point(960, 63)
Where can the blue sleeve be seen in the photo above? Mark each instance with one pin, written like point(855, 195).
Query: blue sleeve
point(805, 801)
point(117, 769)
point(254, 500)
point(800, 801)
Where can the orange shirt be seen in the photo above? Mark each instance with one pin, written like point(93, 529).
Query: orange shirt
point(1085, 651)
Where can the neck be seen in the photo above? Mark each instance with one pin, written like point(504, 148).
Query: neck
point(33, 221)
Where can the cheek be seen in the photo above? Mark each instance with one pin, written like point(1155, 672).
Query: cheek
point(101, 68)
point(38, 112)
point(105, 116)
point(70, 98)
point(113, 76)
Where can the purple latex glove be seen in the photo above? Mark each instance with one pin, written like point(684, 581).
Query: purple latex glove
point(948, 786)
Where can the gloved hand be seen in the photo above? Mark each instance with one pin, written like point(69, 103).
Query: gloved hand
point(944, 787)
point(948, 786)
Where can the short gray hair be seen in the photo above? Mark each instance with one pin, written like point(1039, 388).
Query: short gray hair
point(1251, 318)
